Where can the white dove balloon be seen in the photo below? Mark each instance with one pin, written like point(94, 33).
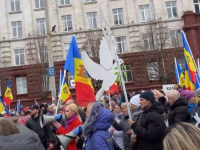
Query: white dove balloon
point(106, 70)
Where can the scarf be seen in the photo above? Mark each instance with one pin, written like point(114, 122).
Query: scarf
point(120, 115)
point(69, 121)
point(191, 108)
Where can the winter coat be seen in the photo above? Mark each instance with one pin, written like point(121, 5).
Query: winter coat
point(61, 131)
point(150, 128)
point(118, 135)
point(25, 140)
point(34, 125)
point(123, 126)
point(197, 110)
point(136, 113)
point(101, 139)
point(178, 112)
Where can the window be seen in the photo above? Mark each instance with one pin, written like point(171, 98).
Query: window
point(176, 38)
point(17, 29)
point(148, 41)
point(197, 5)
point(171, 9)
point(118, 16)
point(44, 54)
point(153, 71)
point(121, 44)
point(66, 48)
point(39, 4)
point(92, 20)
point(41, 26)
point(144, 13)
point(19, 57)
point(45, 83)
point(15, 5)
point(21, 85)
point(126, 72)
point(64, 2)
point(90, 0)
point(71, 82)
point(67, 23)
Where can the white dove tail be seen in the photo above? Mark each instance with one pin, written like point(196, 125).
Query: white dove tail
point(99, 94)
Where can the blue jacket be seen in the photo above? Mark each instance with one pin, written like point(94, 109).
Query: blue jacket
point(101, 139)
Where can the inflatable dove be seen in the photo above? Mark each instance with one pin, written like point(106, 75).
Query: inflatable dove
point(106, 70)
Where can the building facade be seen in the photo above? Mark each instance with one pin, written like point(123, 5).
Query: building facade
point(22, 19)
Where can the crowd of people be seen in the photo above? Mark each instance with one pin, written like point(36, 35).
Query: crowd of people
point(159, 121)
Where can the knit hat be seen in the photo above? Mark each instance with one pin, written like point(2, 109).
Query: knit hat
point(198, 92)
point(135, 100)
point(187, 94)
point(148, 95)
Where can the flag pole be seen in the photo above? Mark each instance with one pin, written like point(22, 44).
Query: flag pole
point(109, 32)
point(110, 102)
point(176, 69)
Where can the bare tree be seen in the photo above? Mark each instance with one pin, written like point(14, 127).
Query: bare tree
point(92, 43)
point(37, 57)
point(156, 40)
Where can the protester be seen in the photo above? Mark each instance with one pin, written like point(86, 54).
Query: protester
point(50, 110)
point(150, 128)
point(34, 124)
point(96, 129)
point(17, 137)
point(43, 108)
point(135, 107)
point(80, 111)
point(178, 110)
point(182, 136)
point(191, 98)
point(73, 121)
point(123, 126)
point(162, 100)
point(118, 135)
point(22, 112)
point(123, 97)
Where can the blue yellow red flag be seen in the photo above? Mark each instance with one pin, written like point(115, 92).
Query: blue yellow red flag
point(63, 91)
point(74, 64)
point(8, 97)
point(188, 84)
point(192, 70)
point(2, 108)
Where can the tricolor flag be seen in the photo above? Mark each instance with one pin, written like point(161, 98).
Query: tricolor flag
point(8, 98)
point(2, 108)
point(179, 73)
point(63, 90)
point(18, 106)
point(188, 84)
point(74, 64)
point(192, 70)
point(6, 109)
point(114, 88)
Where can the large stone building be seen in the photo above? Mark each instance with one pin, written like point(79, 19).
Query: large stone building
point(21, 19)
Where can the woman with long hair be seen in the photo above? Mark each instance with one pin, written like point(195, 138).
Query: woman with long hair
point(73, 121)
point(182, 136)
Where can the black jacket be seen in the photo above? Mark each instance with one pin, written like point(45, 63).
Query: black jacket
point(43, 133)
point(164, 103)
point(178, 112)
point(150, 128)
point(25, 140)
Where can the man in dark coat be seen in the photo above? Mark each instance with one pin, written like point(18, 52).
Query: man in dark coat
point(34, 124)
point(150, 127)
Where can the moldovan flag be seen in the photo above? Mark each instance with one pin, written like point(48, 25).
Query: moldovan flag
point(2, 108)
point(192, 70)
point(188, 84)
point(64, 93)
point(8, 98)
point(114, 88)
point(74, 64)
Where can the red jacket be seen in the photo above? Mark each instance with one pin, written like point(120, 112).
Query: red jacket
point(61, 130)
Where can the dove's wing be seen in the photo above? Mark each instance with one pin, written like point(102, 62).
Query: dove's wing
point(105, 55)
point(94, 69)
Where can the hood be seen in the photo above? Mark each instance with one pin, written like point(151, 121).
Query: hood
point(155, 107)
point(26, 139)
point(180, 102)
point(104, 120)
